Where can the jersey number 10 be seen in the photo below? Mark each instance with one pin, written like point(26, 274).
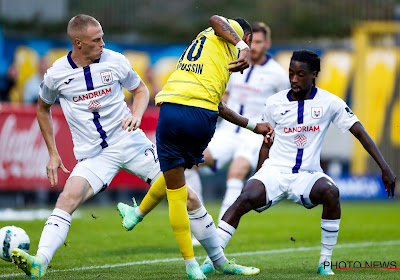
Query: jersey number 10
point(191, 49)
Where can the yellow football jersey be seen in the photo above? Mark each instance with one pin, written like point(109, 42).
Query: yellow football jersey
point(201, 74)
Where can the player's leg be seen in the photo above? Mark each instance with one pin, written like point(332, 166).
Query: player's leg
point(252, 197)
point(194, 182)
point(182, 135)
point(237, 173)
point(246, 147)
point(325, 192)
point(76, 191)
point(203, 228)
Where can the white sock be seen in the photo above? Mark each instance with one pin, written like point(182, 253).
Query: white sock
point(189, 261)
point(140, 214)
point(54, 234)
point(203, 228)
point(329, 235)
point(233, 189)
point(192, 177)
point(225, 232)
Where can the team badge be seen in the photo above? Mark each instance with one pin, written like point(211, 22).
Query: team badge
point(316, 112)
point(106, 77)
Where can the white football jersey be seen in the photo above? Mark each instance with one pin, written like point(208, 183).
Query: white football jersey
point(248, 91)
point(91, 98)
point(300, 127)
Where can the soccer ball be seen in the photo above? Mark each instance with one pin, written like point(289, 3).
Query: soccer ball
point(12, 237)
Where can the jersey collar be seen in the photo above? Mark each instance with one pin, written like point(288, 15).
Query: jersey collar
point(312, 95)
point(72, 63)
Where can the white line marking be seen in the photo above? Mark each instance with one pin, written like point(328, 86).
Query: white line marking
point(278, 251)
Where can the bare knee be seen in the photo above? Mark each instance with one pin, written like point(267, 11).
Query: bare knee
point(193, 201)
point(68, 202)
point(76, 191)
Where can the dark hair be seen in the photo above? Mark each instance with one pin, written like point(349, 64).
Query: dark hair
point(262, 27)
point(309, 57)
point(245, 26)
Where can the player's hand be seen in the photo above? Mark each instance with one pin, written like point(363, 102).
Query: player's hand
point(389, 180)
point(269, 140)
point(242, 62)
point(131, 123)
point(265, 129)
point(52, 166)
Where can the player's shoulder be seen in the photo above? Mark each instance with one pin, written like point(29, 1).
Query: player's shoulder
point(272, 67)
point(327, 96)
point(59, 67)
point(278, 97)
point(110, 55)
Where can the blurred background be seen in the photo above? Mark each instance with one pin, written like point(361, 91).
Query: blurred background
point(358, 42)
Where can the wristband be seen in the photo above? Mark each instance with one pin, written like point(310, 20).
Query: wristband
point(241, 45)
point(251, 125)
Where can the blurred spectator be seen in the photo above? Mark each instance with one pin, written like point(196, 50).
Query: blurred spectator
point(9, 82)
point(31, 88)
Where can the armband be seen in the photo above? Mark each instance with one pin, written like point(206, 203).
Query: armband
point(241, 45)
point(251, 125)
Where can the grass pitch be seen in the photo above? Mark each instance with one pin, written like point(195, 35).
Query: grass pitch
point(284, 242)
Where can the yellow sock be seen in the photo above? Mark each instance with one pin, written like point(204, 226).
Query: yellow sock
point(179, 219)
point(156, 194)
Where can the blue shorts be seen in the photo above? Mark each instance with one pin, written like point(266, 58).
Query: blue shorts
point(183, 133)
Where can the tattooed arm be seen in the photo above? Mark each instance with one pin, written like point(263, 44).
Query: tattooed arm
point(222, 27)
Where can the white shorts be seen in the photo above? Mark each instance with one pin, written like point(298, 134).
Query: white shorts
point(295, 187)
point(135, 154)
point(227, 145)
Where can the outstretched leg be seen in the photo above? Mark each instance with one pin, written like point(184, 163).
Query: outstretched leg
point(253, 196)
point(76, 191)
point(325, 192)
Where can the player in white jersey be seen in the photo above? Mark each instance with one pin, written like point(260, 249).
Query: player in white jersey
point(106, 138)
point(301, 117)
point(245, 94)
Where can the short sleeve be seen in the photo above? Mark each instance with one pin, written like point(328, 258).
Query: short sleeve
point(282, 82)
point(47, 91)
point(343, 117)
point(129, 79)
point(229, 85)
point(267, 114)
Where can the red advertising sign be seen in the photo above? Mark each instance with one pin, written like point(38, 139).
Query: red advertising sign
point(23, 152)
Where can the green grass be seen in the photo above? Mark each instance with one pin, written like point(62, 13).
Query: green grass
point(102, 241)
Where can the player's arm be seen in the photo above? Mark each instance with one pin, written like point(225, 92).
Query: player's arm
point(388, 177)
point(225, 97)
point(141, 96)
point(264, 152)
point(46, 126)
point(222, 27)
point(231, 116)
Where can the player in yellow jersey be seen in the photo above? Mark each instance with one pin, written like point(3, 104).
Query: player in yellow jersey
point(190, 104)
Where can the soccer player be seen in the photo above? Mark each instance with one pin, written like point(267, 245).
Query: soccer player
point(105, 132)
point(245, 95)
point(301, 117)
point(190, 103)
